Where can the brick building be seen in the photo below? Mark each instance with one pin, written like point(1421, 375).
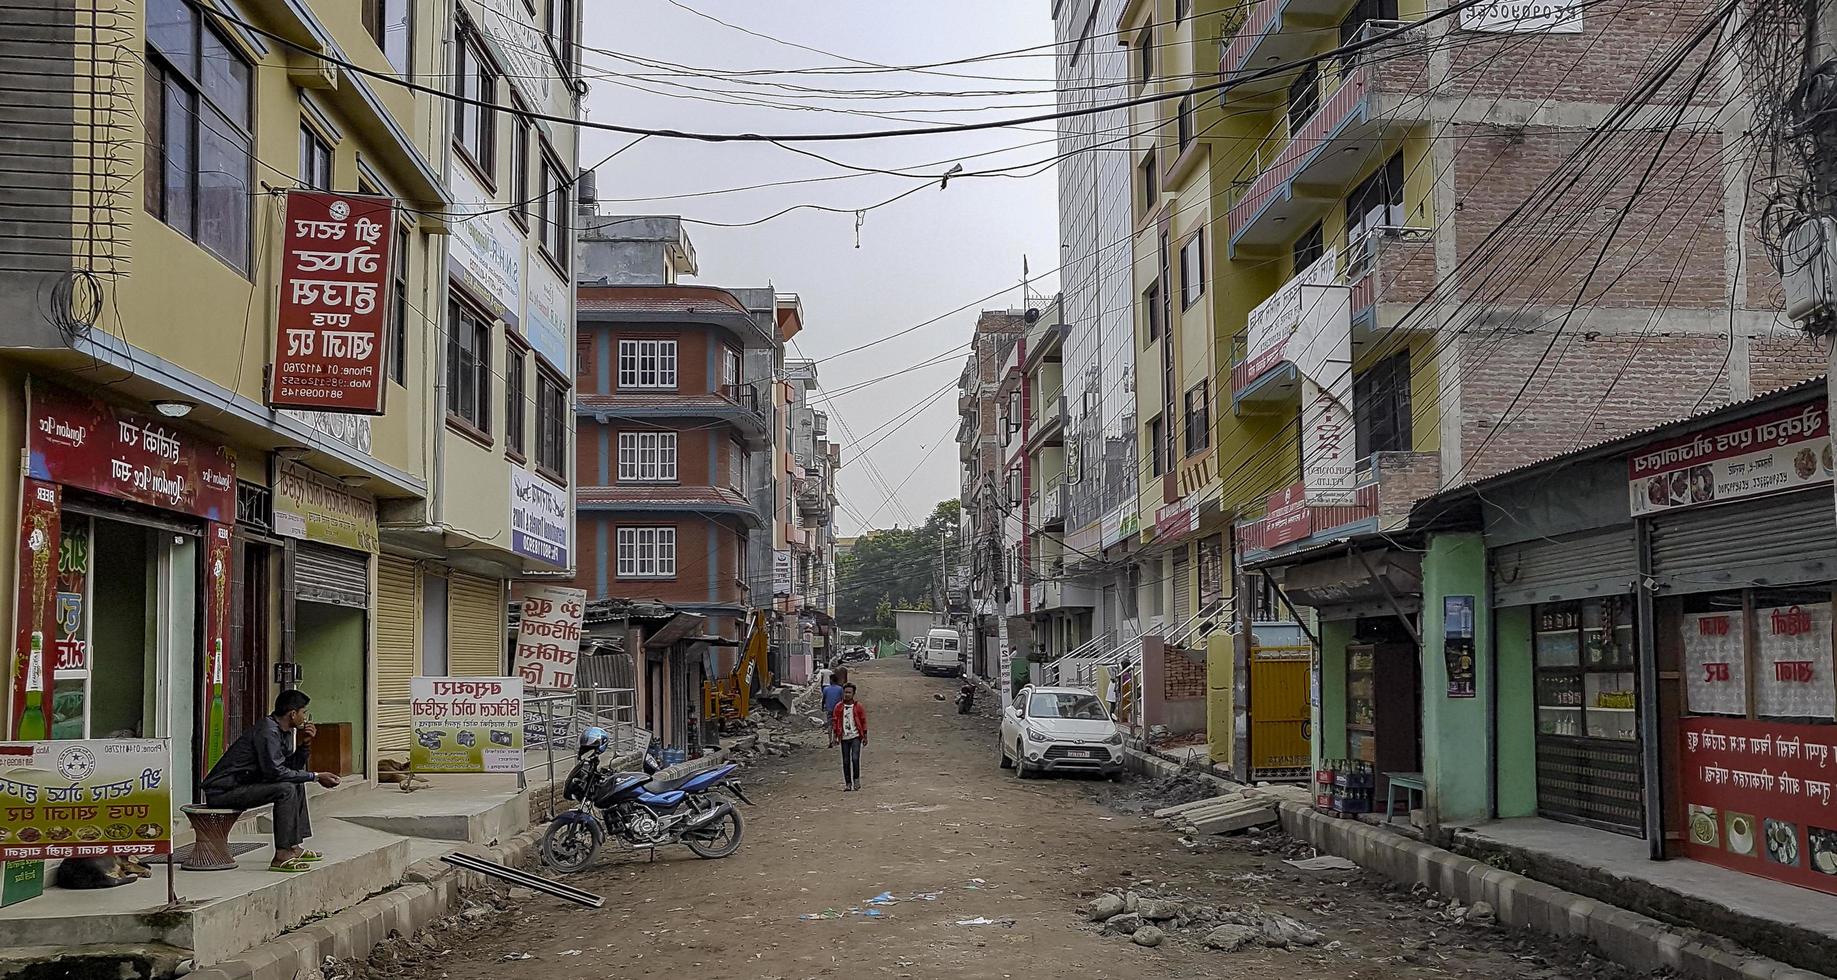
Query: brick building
point(984, 493)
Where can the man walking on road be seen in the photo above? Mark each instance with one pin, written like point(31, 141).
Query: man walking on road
point(832, 692)
point(848, 726)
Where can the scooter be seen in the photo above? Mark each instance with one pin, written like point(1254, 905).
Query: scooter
point(966, 696)
point(645, 812)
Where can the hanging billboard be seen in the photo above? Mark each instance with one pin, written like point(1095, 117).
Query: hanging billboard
point(329, 339)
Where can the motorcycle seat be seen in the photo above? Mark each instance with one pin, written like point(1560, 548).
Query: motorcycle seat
point(660, 786)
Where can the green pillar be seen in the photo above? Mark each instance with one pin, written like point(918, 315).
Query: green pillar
point(1330, 715)
point(1517, 773)
point(1455, 730)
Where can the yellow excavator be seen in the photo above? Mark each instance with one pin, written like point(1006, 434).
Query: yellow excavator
point(730, 698)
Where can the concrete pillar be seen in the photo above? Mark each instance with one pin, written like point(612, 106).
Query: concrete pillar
point(1329, 740)
point(1456, 731)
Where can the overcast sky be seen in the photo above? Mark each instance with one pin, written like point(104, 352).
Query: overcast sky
point(918, 258)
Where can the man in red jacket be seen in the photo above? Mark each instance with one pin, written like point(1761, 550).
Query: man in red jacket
point(848, 726)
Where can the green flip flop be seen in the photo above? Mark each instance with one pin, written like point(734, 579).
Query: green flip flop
point(293, 867)
point(310, 856)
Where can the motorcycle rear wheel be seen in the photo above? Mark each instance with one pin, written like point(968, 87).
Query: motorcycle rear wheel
point(718, 839)
point(569, 847)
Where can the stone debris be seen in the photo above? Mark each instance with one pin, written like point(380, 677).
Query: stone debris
point(1104, 907)
point(1149, 936)
point(1282, 932)
point(1166, 918)
point(1122, 925)
point(1231, 937)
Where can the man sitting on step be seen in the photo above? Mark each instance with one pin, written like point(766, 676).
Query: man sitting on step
point(260, 769)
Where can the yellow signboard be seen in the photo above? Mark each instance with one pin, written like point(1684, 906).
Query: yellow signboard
point(310, 506)
point(466, 724)
point(85, 798)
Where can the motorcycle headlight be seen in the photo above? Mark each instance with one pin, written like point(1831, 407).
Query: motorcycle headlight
point(1034, 734)
point(1116, 738)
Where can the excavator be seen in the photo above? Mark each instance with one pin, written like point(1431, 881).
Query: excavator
point(730, 698)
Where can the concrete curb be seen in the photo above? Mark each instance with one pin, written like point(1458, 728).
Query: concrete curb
point(429, 891)
point(1628, 938)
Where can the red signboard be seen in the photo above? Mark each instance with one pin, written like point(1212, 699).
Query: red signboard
point(329, 340)
point(1758, 798)
point(81, 442)
point(1784, 449)
point(1286, 517)
point(216, 630)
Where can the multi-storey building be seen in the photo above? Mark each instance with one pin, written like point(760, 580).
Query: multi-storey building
point(1097, 353)
point(222, 527)
point(808, 610)
point(671, 421)
point(1397, 286)
point(985, 491)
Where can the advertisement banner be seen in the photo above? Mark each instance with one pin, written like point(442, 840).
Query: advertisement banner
point(1458, 644)
point(1281, 327)
point(216, 633)
point(485, 250)
point(311, 506)
point(1329, 446)
point(1758, 798)
point(36, 614)
point(348, 430)
point(548, 639)
point(1715, 668)
point(545, 314)
point(540, 518)
point(329, 340)
point(85, 798)
point(1793, 676)
point(1784, 449)
point(781, 574)
point(81, 442)
point(1286, 518)
point(466, 724)
point(1524, 16)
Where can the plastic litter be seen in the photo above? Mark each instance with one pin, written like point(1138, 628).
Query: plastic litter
point(1326, 862)
point(985, 921)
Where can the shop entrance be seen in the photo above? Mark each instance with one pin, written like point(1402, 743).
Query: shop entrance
point(331, 630)
point(1588, 755)
point(1383, 699)
point(247, 662)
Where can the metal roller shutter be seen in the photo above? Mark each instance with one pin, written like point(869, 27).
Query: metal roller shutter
point(1183, 591)
point(398, 619)
point(1561, 569)
point(332, 576)
point(475, 626)
point(1772, 541)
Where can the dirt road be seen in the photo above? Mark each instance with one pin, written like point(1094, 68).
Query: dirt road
point(936, 815)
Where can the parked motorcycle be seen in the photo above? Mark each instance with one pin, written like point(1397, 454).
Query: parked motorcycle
point(966, 696)
point(643, 811)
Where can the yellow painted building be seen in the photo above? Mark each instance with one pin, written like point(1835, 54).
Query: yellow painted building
point(338, 553)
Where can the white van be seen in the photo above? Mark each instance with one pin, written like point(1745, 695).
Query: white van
point(942, 652)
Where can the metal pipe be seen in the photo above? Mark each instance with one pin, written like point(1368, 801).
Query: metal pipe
point(1647, 700)
point(569, 893)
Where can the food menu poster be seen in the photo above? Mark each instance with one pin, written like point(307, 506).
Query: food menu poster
point(1758, 798)
point(85, 798)
point(1781, 450)
point(1715, 666)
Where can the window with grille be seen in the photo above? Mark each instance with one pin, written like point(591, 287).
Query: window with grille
point(198, 140)
point(647, 457)
point(647, 363)
point(647, 552)
point(1381, 406)
point(468, 365)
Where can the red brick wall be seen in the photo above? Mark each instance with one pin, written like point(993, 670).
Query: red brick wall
point(1616, 50)
point(691, 582)
point(601, 340)
point(1183, 678)
point(1783, 357)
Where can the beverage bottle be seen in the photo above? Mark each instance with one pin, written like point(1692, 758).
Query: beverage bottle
point(32, 722)
point(215, 744)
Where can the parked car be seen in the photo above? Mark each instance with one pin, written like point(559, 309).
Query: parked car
point(1059, 729)
point(943, 653)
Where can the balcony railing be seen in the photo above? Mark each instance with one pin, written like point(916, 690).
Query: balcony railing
point(1390, 483)
point(745, 396)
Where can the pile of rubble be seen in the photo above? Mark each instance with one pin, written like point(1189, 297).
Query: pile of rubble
point(1147, 920)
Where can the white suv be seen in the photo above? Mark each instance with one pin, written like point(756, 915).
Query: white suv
point(1059, 729)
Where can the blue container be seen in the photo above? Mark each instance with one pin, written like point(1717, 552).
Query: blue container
point(674, 757)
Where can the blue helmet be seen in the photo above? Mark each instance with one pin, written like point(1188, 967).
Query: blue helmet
point(594, 740)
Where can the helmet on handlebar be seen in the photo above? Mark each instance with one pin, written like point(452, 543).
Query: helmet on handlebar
point(595, 740)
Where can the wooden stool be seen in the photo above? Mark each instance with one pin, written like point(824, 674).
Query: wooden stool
point(210, 849)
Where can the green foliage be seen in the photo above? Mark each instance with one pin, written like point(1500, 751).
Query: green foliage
point(893, 569)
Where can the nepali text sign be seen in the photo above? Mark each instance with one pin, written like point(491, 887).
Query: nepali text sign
point(1524, 16)
point(329, 333)
point(1784, 449)
point(545, 313)
point(485, 251)
point(1286, 518)
point(81, 442)
point(1758, 798)
point(311, 506)
point(466, 724)
point(1284, 324)
point(1715, 666)
point(540, 522)
point(548, 639)
point(85, 798)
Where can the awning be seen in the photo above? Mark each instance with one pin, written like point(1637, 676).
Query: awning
point(1344, 584)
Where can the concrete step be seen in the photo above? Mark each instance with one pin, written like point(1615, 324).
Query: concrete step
point(469, 809)
point(223, 913)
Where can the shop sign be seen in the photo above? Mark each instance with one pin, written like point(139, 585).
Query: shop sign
point(781, 574)
point(1120, 525)
point(466, 724)
point(311, 506)
point(81, 442)
point(1329, 444)
point(1287, 320)
point(348, 430)
point(85, 798)
point(1176, 519)
point(39, 528)
point(548, 637)
point(1715, 666)
point(1784, 449)
point(1794, 677)
point(485, 250)
point(1458, 644)
point(1524, 16)
point(334, 304)
point(1285, 516)
point(540, 525)
point(1758, 798)
point(545, 313)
